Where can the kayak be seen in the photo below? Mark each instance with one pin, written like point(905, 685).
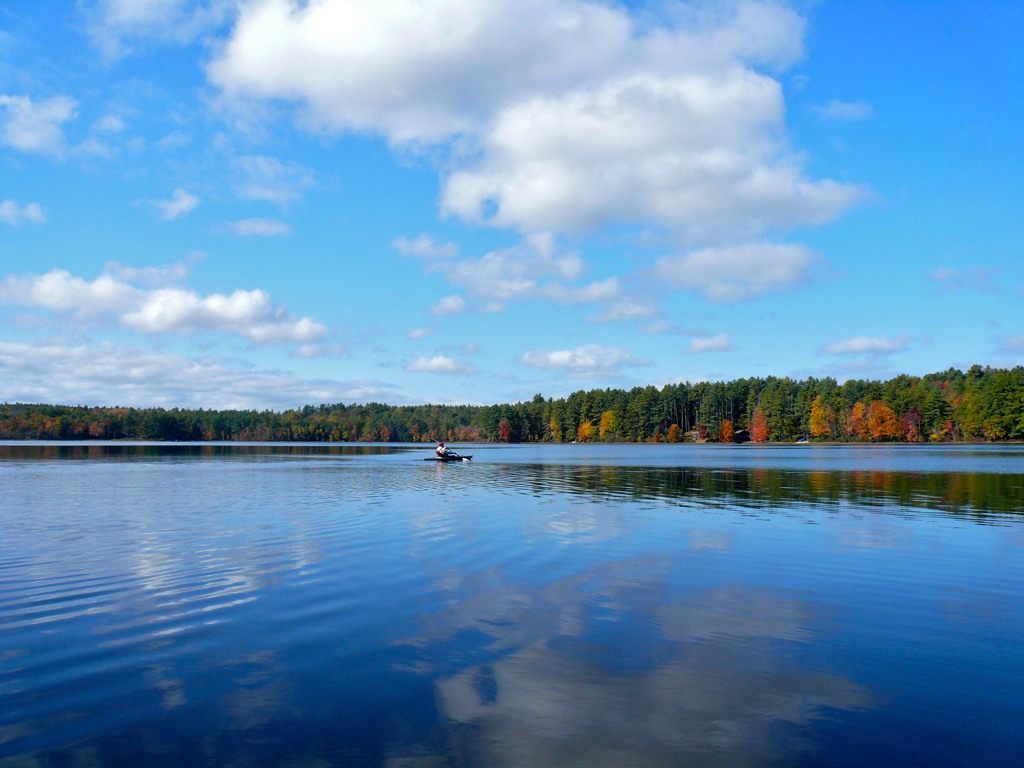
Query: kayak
point(448, 458)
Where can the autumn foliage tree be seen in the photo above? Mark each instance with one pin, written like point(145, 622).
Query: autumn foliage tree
point(912, 425)
point(759, 427)
point(585, 432)
point(675, 434)
point(883, 423)
point(726, 432)
point(609, 424)
point(555, 427)
point(822, 418)
point(504, 431)
point(857, 424)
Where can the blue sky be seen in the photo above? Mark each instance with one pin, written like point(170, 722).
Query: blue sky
point(267, 203)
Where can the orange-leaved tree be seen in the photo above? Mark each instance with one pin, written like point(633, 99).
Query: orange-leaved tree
point(504, 431)
point(726, 432)
point(857, 425)
point(585, 431)
point(759, 427)
point(883, 424)
point(675, 434)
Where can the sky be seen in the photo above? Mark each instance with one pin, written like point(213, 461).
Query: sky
point(274, 203)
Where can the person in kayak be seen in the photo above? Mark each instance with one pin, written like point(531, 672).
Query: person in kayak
point(441, 450)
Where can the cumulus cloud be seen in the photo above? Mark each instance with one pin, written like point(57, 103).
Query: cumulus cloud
point(867, 345)
point(420, 333)
point(115, 374)
point(267, 178)
point(259, 227)
point(568, 114)
point(718, 343)
point(439, 364)
point(180, 204)
point(846, 111)
point(12, 213)
point(689, 153)
point(449, 305)
point(248, 314)
point(535, 268)
point(738, 273)
point(35, 126)
point(60, 291)
point(586, 359)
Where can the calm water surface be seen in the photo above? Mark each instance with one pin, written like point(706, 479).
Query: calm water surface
point(269, 605)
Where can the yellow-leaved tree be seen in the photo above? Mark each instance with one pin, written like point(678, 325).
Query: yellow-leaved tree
point(609, 424)
point(821, 418)
point(556, 429)
point(585, 432)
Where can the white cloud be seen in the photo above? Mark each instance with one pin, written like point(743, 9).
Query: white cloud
point(180, 204)
point(172, 140)
point(611, 119)
point(114, 24)
point(718, 343)
point(846, 111)
point(309, 351)
point(55, 371)
point(439, 364)
point(738, 273)
point(626, 310)
point(249, 314)
point(420, 333)
point(694, 153)
point(585, 359)
point(109, 124)
point(35, 126)
point(94, 148)
point(535, 268)
point(153, 276)
point(259, 227)
point(867, 345)
point(267, 178)
point(60, 291)
point(11, 213)
point(449, 305)
point(424, 247)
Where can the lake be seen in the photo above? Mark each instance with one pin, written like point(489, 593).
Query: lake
point(620, 605)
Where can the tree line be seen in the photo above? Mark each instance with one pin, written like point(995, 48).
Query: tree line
point(980, 404)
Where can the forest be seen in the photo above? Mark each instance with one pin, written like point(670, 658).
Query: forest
point(982, 404)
